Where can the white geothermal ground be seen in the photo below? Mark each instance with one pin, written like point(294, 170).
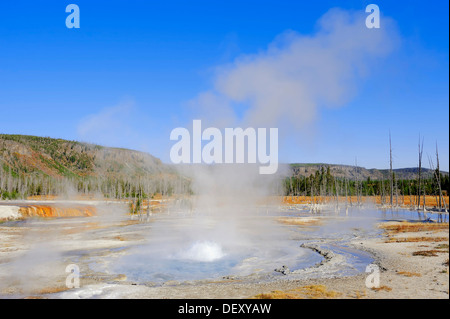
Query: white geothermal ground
point(120, 257)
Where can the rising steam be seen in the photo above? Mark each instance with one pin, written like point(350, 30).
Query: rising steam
point(287, 84)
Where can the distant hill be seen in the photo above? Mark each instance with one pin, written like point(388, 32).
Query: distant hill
point(31, 165)
point(62, 158)
point(361, 173)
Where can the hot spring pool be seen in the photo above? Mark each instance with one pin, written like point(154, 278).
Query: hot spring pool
point(185, 250)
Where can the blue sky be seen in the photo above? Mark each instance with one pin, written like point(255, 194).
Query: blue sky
point(130, 74)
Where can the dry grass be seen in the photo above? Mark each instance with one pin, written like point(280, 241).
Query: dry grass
point(120, 277)
point(360, 294)
point(305, 292)
point(385, 288)
point(51, 290)
point(129, 222)
point(415, 239)
point(42, 197)
point(302, 200)
point(426, 253)
point(319, 291)
point(430, 201)
point(299, 221)
point(277, 294)
point(409, 274)
point(406, 227)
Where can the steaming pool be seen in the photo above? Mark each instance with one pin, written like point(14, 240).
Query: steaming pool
point(205, 247)
point(212, 249)
point(180, 248)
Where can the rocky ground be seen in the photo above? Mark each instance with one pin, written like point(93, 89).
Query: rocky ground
point(416, 269)
point(412, 259)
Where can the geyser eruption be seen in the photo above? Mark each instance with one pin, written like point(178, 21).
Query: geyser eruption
point(203, 251)
point(229, 228)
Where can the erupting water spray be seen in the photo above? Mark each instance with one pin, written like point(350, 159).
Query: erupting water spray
point(203, 251)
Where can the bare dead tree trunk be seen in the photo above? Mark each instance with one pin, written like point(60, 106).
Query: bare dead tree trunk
point(346, 193)
point(403, 194)
point(337, 193)
point(357, 181)
point(390, 171)
point(424, 200)
point(420, 172)
point(410, 196)
point(437, 175)
point(441, 196)
point(396, 192)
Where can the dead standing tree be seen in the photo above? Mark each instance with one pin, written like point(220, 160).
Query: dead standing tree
point(438, 176)
point(357, 182)
point(391, 177)
point(420, 174)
